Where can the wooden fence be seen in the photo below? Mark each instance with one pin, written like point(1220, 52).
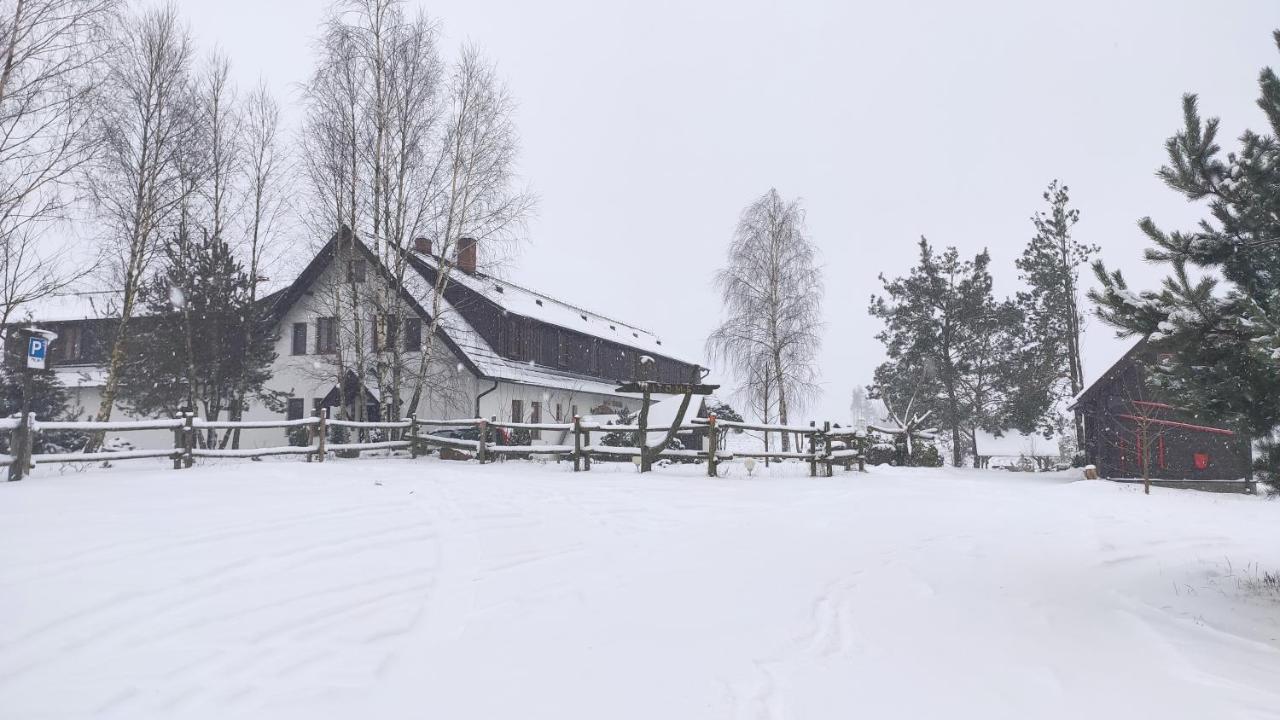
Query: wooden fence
point(822, 448)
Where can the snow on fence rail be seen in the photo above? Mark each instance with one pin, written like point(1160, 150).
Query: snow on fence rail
point(422, 436)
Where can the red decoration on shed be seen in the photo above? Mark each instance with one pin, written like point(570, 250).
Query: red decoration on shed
point(1202, 461)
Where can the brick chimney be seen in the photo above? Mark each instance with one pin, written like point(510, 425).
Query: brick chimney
point(422, 245)
point(467, 255)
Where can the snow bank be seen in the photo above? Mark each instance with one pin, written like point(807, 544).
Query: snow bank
point(422, 588)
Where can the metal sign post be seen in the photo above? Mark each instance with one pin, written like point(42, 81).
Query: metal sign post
point(37, 353)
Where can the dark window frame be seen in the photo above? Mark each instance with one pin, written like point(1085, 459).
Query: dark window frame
point(412, 334)
point(294, 408)
point(298, 342)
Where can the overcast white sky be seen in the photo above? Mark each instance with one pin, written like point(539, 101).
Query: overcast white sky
point(647, 126)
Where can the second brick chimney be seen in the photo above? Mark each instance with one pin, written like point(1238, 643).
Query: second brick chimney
point(422, 245)
point(467, 255)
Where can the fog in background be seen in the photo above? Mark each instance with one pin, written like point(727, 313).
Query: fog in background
point(648, 126)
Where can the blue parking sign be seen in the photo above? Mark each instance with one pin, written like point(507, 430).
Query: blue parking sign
point(36, 350)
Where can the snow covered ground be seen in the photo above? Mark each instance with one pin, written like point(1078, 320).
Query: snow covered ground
point(412, 589)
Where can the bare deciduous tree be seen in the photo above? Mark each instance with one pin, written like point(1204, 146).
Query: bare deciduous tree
point(477, 197)
point(772, 293)
point(51, 53)
point(138, 180)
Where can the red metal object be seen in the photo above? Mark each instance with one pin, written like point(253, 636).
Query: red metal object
point(1184, 426)
point(1202, 461)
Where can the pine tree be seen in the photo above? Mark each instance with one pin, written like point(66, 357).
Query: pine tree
point(1049, 367)
point(191, 351)
point(945, 337)
point(1224, 343)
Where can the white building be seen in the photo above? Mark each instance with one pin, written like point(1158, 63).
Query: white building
point(501, 350)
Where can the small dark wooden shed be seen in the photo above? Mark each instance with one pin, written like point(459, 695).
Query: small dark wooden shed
point(1125, 418)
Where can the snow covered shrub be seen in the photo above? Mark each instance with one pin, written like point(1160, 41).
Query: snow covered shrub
point(298, 436)
point(926, 455)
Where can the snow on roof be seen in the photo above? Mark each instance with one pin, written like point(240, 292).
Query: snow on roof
point(1015, 444)
point(529, 303)
point(492, 365)
point(62, 307)
point(84, 376)
point(1096, 366)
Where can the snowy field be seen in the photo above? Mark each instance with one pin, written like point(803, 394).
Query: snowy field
point(424, 589)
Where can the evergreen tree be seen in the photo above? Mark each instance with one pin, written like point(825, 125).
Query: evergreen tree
point(1223, 343)
point(49, 400)
point(192, 351)
point(946, 341)
point(1048, 369)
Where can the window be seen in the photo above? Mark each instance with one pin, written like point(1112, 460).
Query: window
point(573, 410)
point(326, 334)
point(299, 338)
point(535, 416)
point(517, 411)
point(515, 339)
point(413, 333)
point(1201, 460)
point(559, 413)
point(562, 352)
point(69, 347)
point(294, 409)
point(355, 272)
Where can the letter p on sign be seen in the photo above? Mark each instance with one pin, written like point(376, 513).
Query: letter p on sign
point(37, 347)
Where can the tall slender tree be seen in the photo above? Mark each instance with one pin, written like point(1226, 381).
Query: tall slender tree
point(137, 178)
point(772, 293)
point(1050, 265)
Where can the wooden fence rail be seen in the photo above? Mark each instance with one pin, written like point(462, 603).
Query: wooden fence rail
point(416, 435)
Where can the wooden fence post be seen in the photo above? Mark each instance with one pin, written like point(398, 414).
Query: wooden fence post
point(713, 443)
point(189, 431)
point(322, 434)
point(586, 449)
point(178, 444)
point(826, 444)
point(413, 435)
point(482, 450)
point(577, 443)
point(19, 441)
point(813, 450)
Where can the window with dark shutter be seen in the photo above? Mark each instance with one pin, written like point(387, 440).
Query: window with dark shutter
point(413, 333)
point(535, 416)
point(326, 335)
point(356, 274)
point(294, 409)
point(562, 351)
point(299, 338)
point(390, 332)
point(517, 411)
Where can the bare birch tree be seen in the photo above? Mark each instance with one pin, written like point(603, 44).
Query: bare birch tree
point(478, 199)
point(51, 56)
point(772, 294)
point(265, 174)
point(137, 180)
